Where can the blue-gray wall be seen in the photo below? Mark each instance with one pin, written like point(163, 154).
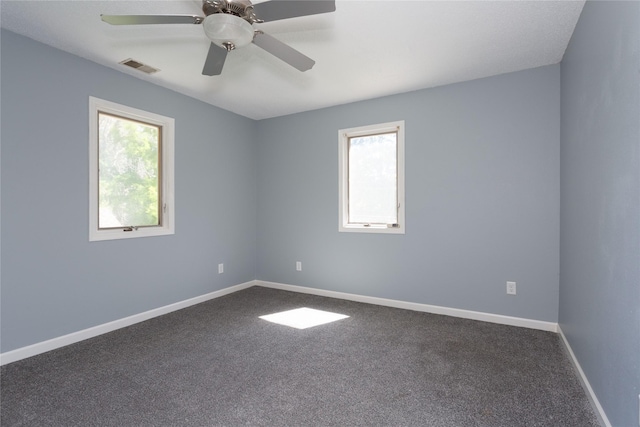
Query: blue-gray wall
point(600, 209)
point(54, 281)
point(482, 198)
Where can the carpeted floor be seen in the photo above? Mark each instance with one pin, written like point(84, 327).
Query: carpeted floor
point(218, 364)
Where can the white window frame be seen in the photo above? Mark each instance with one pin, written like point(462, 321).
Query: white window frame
point(167, 125)
point(343, 171)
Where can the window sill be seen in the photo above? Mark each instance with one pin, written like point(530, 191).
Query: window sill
point(117, 234)
point(373, 228)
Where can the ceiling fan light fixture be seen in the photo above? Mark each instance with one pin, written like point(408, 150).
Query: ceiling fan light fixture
point(228, 31)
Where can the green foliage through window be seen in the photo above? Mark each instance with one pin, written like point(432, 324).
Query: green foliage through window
point(129, 172)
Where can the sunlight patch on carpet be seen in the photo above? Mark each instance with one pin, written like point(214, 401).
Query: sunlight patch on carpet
point(303, 318)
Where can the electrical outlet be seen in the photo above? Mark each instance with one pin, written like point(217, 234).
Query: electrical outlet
point(511, 288)
point(298, 266)
point(220, 268)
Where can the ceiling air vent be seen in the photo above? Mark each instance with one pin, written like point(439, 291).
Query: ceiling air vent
point(139, 66)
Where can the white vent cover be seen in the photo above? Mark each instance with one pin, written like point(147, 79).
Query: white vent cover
point(139, 66)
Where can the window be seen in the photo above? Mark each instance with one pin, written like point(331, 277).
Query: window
point(131, 172)
point(371, 179)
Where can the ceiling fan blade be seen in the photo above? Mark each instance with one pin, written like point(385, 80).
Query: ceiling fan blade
point(215, 60)
point(283, 51)
point(151, 19)
point(284, 9)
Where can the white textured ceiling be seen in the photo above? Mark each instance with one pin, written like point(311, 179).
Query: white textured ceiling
point(364, 50)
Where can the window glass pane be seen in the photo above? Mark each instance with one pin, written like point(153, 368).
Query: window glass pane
point(373, 179)
point(129, 173)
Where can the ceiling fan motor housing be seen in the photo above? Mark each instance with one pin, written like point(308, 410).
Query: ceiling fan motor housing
point(240, 8)
point(228, 22)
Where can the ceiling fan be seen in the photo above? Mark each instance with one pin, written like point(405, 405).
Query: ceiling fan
point(229, 25)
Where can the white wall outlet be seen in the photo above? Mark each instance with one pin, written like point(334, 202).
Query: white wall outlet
point(511, 288)
point(220, 268)
point(298, 266)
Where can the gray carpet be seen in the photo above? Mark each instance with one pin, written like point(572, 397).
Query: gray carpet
point(218, 364)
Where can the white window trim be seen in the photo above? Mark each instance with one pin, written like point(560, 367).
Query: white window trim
point(343, 172)
point(168, 130)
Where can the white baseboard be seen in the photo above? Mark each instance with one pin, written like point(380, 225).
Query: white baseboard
point(455, 312)
point(52, 344)
point(595, 403)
